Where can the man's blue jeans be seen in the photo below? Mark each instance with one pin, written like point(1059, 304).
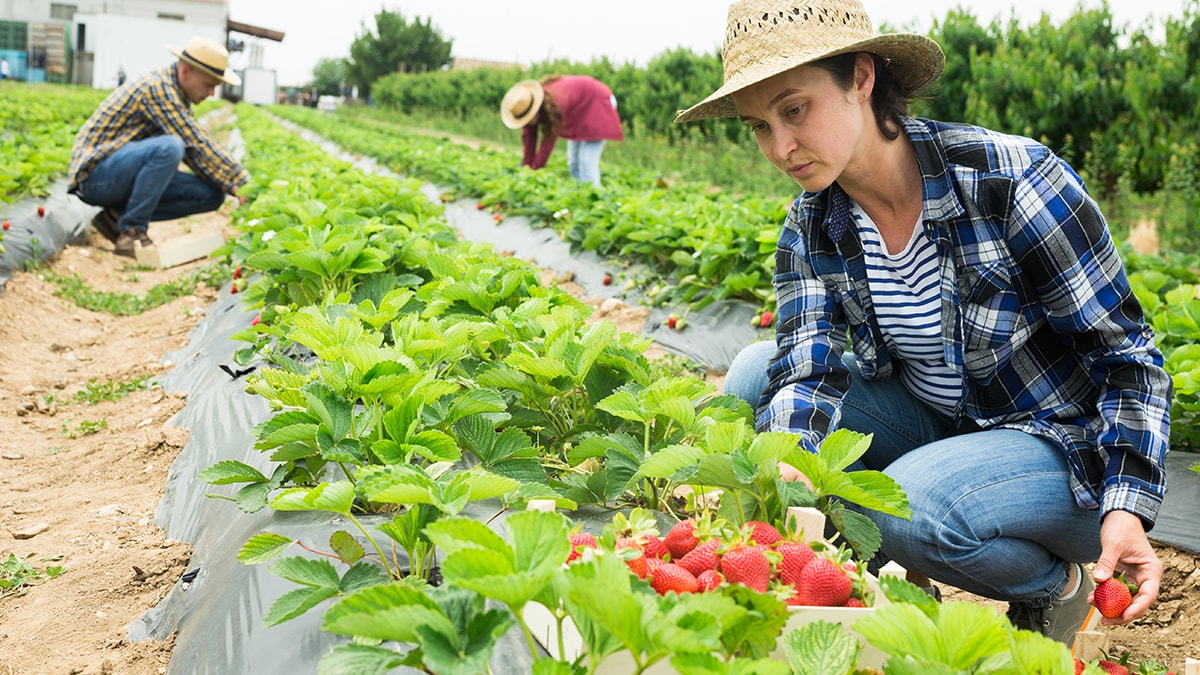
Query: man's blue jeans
point(992, 510)
point(142, 181)
point(583, 160)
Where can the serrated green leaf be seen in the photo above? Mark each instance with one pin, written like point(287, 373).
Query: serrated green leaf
point(253, 497)
point(354, 659)
point(262, 547)
point(307, 571)
point(362, 575)
point(296, 602)
point(346, 547)
point(336, 497)
point(386, 612)
point(458, 533)
point(231, 471)
point(821, 647)
point(671, 461)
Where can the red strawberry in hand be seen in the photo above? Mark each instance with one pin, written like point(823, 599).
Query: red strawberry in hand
point(1113, 596)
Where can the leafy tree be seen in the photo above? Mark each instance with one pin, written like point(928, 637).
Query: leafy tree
point(395, 46)
point(328, 76)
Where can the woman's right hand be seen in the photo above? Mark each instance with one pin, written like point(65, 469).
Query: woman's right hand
point(791, 473)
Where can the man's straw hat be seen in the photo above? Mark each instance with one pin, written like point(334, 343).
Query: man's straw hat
point(767, 37)
point(208, 57)
point(522, 103)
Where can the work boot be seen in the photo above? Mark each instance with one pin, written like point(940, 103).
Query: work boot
point(128, 242)
point(105, 223)
point(1062, 618)
point(142, 237)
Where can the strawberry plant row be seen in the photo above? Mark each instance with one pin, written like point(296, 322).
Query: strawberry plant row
point(416, 379)
point(39, 124)
point(706, 245)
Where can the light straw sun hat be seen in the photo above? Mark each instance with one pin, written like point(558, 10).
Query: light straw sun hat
point(208, 56)
point(522, 103)
point(766, 37)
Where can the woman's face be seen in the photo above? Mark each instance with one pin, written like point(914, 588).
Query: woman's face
point(806, 124)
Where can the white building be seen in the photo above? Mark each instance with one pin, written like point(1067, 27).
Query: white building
point(90, 41)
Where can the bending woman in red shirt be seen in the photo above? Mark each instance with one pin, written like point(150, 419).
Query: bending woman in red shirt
point(578, 108)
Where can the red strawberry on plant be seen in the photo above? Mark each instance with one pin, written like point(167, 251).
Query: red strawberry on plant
point(672, 321)
point(256, 320)
point(654, 547)
point(823, 583)
point(633, 555)
point(480, 205)
point(681, 538)
point(607, 280)
point(795, 557)
point(580, 541)
point(669, 577)
point(497, 217)
point(763, 534)
point(768, 318)
point(237, 272)
point(708, 580)
point(6, 225)
point(703, 557)
point(1112, 667)
point(42, 211)
point(746, 565)
point(1113, 596)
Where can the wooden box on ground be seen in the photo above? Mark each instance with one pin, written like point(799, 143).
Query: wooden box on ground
point(180, 249)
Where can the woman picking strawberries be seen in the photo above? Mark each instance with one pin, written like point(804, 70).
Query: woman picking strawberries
point(997, 354)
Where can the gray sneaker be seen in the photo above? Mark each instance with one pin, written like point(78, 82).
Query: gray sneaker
point(1061, 619)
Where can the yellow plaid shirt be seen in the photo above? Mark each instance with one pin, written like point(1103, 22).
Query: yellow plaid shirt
point(154, 105)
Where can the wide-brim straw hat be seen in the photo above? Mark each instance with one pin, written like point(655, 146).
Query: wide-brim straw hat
point(766, 37)
point(208, 56)
point(522, 103)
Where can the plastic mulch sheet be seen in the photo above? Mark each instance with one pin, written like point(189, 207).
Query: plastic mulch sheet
point(33, 238)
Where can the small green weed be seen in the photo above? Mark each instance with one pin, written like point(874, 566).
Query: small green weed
point(84, 427)
point(16, 575)
point(75, 289)
point(94, 392)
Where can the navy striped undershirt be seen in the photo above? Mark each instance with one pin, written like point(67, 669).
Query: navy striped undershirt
point(905, 290)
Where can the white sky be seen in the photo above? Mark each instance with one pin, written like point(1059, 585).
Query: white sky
point(528, 31)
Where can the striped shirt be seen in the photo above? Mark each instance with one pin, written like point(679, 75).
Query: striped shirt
point(154, 105)
point(1038, 316)
point(905, 289)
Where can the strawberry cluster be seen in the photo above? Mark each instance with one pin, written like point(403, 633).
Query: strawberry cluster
point(1122, 666)
point(699, 554)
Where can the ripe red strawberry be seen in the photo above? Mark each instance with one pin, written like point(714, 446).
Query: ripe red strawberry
point(681, 538)
point(497, 217)
point(42, 211)
point(746, 565)
point(796, 555)
point(480, 206)
point(764, 534)
point(823, 583)
point(1113, 596)
point(708, 580)
point(672, 321)
point(237, 272)
point(607, 280)
point(1079, 666)
point(256, 320)
point(703, 557)
point(654, 547)
point(768, 318)
point(854, 602)
point(653, 564)
point(580, 541)
point(6, 225)
point(634, 557)
point(1112, 667)
point(670, 577)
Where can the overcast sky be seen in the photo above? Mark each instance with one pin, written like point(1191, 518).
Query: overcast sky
point(529, 31)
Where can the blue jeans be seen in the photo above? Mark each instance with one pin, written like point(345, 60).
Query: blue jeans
point(992, 510)
point(583, 160)
point(142, 181)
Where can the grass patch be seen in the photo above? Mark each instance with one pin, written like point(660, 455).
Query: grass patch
point(94, 392)
point(84, 428)
point(74, 288)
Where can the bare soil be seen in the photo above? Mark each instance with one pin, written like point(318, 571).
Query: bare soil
point(86, 501)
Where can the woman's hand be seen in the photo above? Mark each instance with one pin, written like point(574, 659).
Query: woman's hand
point(1125, 548)
point(791, 473)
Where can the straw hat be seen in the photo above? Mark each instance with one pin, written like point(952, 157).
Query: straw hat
point(767, 37)
point(522, 103)
point(207, 56)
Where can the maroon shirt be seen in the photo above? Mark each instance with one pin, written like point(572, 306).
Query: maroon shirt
point(588, 114)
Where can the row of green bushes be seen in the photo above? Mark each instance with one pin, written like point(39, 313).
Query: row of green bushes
point(1119, 103)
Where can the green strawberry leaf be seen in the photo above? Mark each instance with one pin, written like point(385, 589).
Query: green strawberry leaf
point(263, 547)
point(360, 660)
point(230, 471)
point(346, 547)
point(307, 572)
point(296, 602)
point(821, 647)
point(387, 612)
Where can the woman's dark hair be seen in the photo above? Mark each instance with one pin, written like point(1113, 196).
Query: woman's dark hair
point(549, 115)
point(888, 99)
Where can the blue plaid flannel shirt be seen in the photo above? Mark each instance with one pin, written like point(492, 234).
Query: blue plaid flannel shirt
point(1037, 314)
